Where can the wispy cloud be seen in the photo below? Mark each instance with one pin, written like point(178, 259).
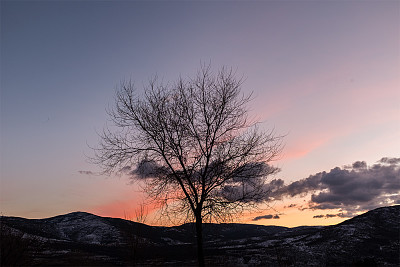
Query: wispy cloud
point(327, 216)
point(268, 216)
point(86, 172)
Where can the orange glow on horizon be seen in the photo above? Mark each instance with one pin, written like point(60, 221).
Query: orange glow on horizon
point(124, 209)
point(292, 213)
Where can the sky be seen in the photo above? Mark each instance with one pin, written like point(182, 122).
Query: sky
point(326, 74)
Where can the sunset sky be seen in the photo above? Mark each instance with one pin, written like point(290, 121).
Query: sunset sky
point(325, 74)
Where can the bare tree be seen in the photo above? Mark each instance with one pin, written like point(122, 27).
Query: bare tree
point(134, 238)
point(193, 146)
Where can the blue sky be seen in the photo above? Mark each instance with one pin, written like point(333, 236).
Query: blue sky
point(324, 73)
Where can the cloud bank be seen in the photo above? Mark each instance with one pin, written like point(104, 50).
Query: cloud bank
point(353, 188)
point(349, 189)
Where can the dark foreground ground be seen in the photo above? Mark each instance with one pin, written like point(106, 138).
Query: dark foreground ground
point(83, 239)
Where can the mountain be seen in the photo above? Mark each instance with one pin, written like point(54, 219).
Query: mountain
point(79, 238)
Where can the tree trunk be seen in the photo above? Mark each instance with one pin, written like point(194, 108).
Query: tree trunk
point(199, 238)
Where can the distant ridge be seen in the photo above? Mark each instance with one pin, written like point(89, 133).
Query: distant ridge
point(370, 238)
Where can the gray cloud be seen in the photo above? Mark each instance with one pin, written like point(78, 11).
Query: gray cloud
point(392, 161)
point(330, 215)
point(145, 169)
point(350, 189)
point(268, 216)
point(327, 216)
point(359, 165)
point(246, 185)
point(86, 172)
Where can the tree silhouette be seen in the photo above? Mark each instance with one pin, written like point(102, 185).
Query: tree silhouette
point(193, 146)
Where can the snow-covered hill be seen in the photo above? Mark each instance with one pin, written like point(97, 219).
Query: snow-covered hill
point(368, 239)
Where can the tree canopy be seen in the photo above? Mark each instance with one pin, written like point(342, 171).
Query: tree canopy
point(192, 144)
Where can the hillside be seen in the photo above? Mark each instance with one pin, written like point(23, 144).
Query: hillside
point(81, 238)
